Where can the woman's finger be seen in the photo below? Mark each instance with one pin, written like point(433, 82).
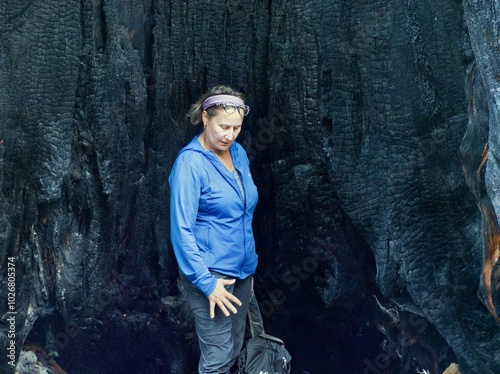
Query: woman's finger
point(223, 308)
point(212, 309)
point(227, 282)
point(233, 299)
point(230, 305)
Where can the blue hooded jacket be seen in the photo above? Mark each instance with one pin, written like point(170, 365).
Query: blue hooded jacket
point(210, 224)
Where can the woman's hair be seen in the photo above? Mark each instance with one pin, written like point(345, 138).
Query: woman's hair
point(196, 109)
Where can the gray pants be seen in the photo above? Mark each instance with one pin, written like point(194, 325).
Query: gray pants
point(220, 338)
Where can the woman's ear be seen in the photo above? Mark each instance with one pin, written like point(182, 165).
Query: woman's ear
point(204, 118)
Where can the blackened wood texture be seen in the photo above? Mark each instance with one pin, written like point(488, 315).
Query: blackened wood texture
point(365, 117)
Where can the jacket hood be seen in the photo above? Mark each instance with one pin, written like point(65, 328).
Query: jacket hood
point(195, 145)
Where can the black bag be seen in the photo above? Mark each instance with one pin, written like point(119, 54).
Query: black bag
point(263, 353)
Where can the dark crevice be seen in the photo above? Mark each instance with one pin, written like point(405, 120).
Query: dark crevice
point(149, 75)
point(83, 23)
point(102, 27)
point(149, 44)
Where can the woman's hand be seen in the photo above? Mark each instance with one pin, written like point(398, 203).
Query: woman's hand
point(224, 299)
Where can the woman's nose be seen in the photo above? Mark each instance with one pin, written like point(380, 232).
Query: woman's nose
point(229, 135)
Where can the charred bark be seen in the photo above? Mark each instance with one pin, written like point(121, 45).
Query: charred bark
point(366, 115)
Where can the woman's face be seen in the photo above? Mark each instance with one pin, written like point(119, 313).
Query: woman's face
point(221, 130)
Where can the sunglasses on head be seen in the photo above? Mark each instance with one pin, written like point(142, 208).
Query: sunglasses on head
point(231, 108)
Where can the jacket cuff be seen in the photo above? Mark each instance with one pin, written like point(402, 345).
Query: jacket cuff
point(207, 284)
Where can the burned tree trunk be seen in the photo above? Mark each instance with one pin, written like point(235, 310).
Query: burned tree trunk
point(366, 115)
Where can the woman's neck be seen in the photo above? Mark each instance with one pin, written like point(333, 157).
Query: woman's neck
point(223, 156)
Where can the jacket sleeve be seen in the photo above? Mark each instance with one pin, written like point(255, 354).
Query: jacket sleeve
point(185, 187)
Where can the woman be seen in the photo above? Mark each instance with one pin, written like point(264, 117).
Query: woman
point(212, 200)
